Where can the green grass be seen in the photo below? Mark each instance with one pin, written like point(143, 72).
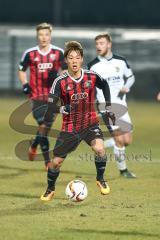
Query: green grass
point(131, 211)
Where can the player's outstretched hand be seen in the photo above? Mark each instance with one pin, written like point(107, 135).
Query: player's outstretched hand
point(122, 92)
point(26, 88)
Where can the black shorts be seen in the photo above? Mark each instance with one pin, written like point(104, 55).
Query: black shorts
point(38, 110)
point(68, 142)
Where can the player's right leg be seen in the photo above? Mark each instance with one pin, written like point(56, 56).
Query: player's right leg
point(66, 143)
point(52, 175)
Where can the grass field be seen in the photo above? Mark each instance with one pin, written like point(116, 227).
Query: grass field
point(131, 211)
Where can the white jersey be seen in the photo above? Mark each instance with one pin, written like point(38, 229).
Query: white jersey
point(117, 73)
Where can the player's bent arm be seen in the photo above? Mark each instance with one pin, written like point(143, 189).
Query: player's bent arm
point(130, 81)
point(53, 108)
point(102, 84)
point(23, 66)
point(22, 77)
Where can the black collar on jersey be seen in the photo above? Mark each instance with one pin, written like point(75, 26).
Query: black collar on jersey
point(108, 58)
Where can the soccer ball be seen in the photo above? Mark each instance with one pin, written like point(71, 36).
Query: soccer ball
point(76, 191)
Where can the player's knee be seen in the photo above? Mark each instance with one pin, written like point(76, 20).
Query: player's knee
point(127, 143)
point(99, 150)
point(120, 143)
point(57, 162)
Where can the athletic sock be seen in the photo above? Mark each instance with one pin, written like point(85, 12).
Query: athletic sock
point(52, 177)
point(120, 157)
point(100, 163)
point(44, 144)
point(36, 140)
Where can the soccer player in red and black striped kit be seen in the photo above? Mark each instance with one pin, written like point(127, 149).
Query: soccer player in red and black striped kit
point(76, 89)
point(45, 63)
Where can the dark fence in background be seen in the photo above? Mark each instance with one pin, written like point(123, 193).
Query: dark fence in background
point(82, 12)
point(140, 47)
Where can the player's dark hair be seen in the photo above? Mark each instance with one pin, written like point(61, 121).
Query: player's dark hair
point(44, 26)
point(73, 46)
point(103, 35)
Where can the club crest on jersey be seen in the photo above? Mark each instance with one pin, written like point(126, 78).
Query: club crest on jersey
point(88, 84)
point(117, 69)
point(53, 56)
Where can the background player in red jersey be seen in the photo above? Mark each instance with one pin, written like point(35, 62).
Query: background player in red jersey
point(44, 62)
point(76, 89)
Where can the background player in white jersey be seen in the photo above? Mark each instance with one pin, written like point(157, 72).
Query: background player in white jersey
point(120, 78)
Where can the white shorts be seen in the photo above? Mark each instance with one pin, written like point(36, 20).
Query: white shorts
point(123, 123)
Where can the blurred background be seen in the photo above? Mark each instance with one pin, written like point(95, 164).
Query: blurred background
point(133, 25)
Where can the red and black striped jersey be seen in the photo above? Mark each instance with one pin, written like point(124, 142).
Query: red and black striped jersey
point(44, 68)
point(80, 95)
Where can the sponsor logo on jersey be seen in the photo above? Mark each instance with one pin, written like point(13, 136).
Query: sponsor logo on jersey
point(78, 96)
point(44, 66)
point(113, 78)
point(53, 56)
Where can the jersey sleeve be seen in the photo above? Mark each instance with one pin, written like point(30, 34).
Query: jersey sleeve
point(56, 88)
point(128, 75)
point(127, 70)
point(103, 85)
point(52, 102)
point(62, 62)
point(24, 63)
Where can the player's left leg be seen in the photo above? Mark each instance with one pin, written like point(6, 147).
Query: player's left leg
point(38, 111)
point(94, 137)
point(52, 175)
point(121, 141)
point(66, 143)
point(44, 145)
point(123, 138)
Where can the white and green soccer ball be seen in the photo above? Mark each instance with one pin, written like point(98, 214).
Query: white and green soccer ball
point(76, 191)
